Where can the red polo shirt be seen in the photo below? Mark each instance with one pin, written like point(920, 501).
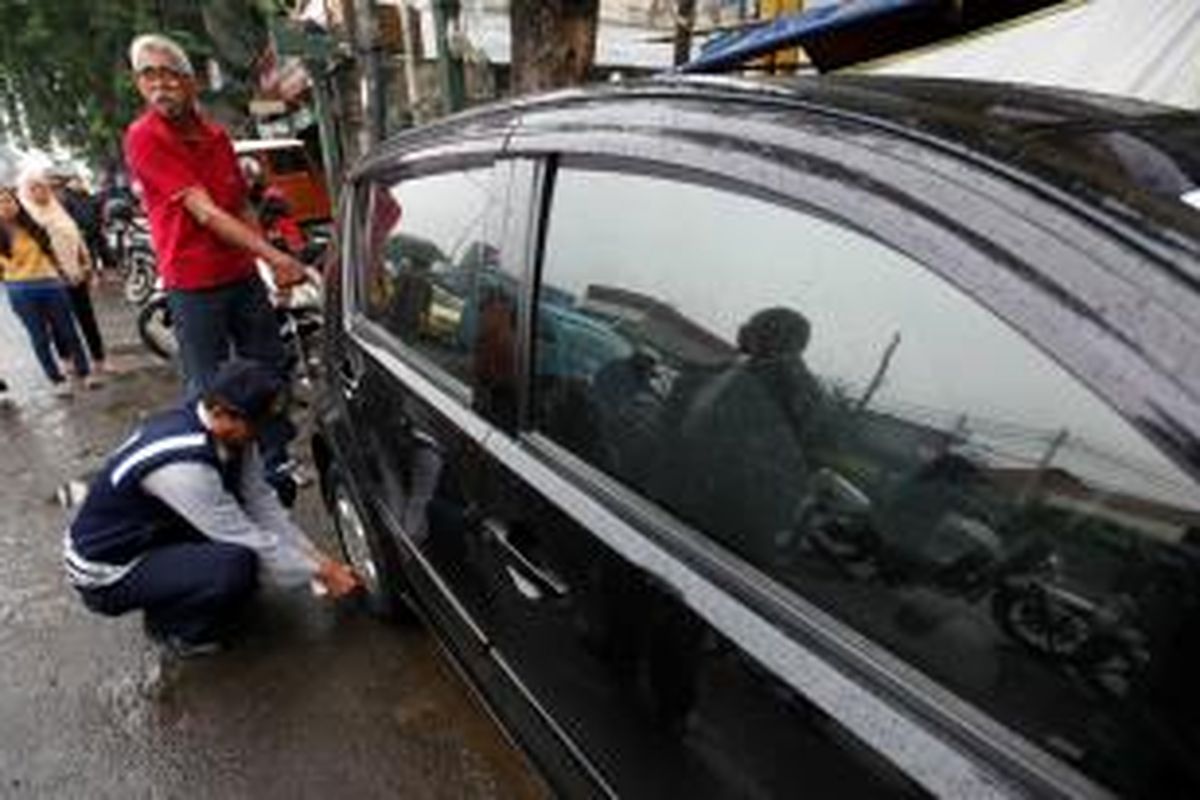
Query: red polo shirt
point(166, 160)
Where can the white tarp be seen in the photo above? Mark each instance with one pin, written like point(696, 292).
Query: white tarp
point(1148, 49)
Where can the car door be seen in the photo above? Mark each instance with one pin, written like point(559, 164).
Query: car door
point(429, 368)
point(790, 463)
point(422, 226)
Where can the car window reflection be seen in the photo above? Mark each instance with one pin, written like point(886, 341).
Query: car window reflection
point(867, 435)
point(432, 272)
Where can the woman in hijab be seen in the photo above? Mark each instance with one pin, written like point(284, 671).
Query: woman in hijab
point(35, 290)
point(70, 251)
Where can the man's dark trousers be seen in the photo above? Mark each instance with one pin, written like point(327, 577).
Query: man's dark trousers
point(211, 325)
point(189, 591)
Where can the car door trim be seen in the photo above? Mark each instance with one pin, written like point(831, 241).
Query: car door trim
point(433, 575)
point(568, 741)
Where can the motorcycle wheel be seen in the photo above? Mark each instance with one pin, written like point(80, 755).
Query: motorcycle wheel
point(1039, 623)
point(154, 329)
point(140, 277)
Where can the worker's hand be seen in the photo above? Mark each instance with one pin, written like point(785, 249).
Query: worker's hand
point(338, 579)
point(287, 270)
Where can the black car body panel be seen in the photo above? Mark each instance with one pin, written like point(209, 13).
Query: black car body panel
point(534, 448)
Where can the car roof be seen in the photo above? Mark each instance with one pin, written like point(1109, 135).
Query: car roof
point(1067, 137)
point(1097, 148)
point(1131, 167)
point(1127, 162)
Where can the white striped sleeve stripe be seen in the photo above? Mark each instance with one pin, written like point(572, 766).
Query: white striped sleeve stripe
point(181, 442)
point(91, 574)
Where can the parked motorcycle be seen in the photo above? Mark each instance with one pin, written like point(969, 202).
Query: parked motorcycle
point(957, 553)
point(930, 534)
point(128, 236)
point(1098, 638)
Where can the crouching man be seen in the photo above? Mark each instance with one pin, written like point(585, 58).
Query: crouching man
point(181, 524)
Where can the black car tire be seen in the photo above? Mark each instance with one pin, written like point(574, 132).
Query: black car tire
point(374, 559)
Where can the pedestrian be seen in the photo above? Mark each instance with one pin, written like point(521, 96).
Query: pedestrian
point(181, 525)
point(70, 252)
point(196, 201)
point(36, 291)
point(85, 209)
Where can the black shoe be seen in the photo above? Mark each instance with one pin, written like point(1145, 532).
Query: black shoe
point(3, 386)
point(184, 649)
point(178, 647)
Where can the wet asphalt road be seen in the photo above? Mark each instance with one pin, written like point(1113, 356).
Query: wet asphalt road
point(317, 700)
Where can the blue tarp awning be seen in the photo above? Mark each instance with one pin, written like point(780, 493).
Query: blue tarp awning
point(794, 30)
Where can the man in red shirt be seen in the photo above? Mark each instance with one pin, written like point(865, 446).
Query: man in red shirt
point(202, 229)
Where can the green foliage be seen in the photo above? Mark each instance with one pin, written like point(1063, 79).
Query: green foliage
point(64, 74)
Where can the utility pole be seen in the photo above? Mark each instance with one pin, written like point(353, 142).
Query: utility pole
point(412, 90)
point(322, 107)
point(450, 68)
point(1034, 483)
point(685, 22)
point(360, 19)
point(880, 373)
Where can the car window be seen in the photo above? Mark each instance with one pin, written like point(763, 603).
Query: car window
point(864, 433)
point(432, 274)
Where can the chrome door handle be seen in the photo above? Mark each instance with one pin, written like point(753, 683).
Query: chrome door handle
point(531, 580)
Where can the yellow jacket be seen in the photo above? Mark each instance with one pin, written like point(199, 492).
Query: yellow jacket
point(28, 261)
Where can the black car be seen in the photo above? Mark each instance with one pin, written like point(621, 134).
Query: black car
point(828, 437)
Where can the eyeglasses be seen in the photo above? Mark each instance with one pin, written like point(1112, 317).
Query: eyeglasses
point(160, 73)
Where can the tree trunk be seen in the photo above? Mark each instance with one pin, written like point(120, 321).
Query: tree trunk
point(553, 42)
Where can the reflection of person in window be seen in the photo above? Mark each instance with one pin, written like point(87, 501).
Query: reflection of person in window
point(413, 295)
point(774, 341)
point(495, 360)
point(628, 407)
point(741, 464)
point(385, 215)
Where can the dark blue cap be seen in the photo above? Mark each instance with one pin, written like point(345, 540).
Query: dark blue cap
point(247, 387)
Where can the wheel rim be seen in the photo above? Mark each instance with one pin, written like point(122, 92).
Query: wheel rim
point(354, 540)
point(139, 281)
point(1055, 632)
point(138, 285)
